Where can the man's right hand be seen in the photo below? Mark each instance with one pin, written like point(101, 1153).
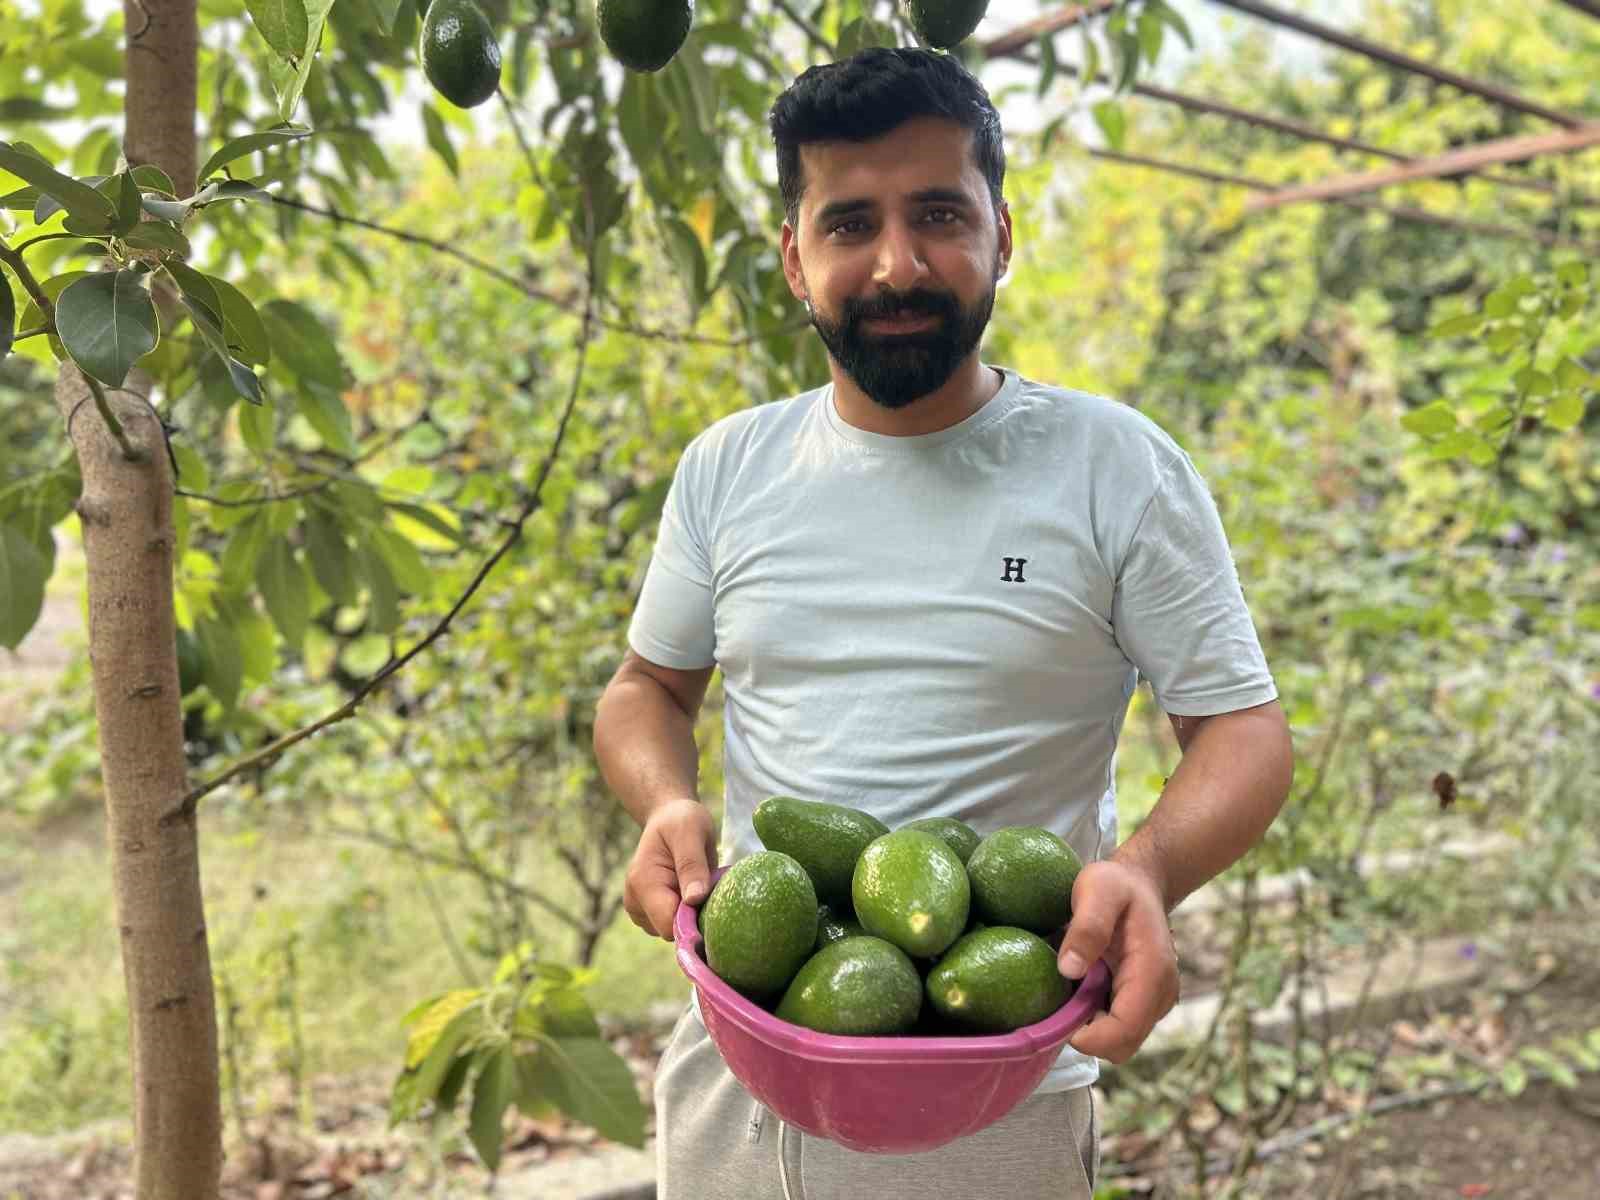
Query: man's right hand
point(677, 853)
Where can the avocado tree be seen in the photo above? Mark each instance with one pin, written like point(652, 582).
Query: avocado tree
point(136, 262)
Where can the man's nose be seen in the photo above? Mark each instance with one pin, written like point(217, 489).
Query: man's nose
point(900, 265)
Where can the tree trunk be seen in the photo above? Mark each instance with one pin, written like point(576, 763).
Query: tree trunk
point(125, 513)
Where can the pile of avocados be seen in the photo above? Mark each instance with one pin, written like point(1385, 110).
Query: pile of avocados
point(845, 927)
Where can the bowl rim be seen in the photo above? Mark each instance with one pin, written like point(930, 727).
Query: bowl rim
point(1092, 994)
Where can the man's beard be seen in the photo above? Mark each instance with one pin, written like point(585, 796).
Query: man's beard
point(896, 368)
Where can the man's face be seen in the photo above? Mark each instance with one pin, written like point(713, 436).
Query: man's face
point(897, 247)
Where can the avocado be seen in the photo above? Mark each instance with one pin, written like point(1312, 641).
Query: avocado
point(836, 926)
point(760, 922)
point(910, 888)
point(861, 986)
point(958, 835)
point(643, 35)
point(996, 980)
point(943, 23)
point(460, 56)
point(1023, 875)
point(825, 839)
point(191, 666)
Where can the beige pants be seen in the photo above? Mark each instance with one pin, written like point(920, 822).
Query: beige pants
point(714, 1141)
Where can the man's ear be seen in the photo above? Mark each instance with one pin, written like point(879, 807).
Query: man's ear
point(789, 251)
point(1006, 245)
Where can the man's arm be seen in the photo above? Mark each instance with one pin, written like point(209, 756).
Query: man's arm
point(644, 733)
point(644, 742)
point(1231, 783)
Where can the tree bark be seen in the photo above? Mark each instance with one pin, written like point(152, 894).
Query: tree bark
point(125, 512)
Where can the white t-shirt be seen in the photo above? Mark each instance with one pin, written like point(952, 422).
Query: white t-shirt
point(948, 624)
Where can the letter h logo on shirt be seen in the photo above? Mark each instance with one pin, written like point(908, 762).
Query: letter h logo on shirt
point(1013, 571)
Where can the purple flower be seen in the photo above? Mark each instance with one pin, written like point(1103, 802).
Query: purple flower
point(1559, 554)
point(1469, 950)
point(1594, 691)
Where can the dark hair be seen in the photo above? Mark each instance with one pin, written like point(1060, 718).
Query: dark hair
point(872, 92)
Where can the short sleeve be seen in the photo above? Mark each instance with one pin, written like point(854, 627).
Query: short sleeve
point(1178, 611)
point(673, 623)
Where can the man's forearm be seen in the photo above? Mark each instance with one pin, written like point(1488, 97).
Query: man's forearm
point(1229, 786)
point(645, 746)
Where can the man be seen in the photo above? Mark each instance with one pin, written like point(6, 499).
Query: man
point(931, 586)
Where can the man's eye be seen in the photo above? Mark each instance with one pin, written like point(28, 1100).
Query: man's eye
point(845, 226)
point(947, 216)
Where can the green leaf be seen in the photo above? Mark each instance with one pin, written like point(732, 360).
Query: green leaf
point(439, 138)
point(491, 1097)
point(683, 244)
point(251, 142)
point(8, 315)
point(405, 562)
point(1533, 382)
point(193, 475)
point(158, 235)
point(325, 411)
point(1457, 326)
point(383, 596)
point(1565, 411)
point(242, 378)
point(87, 206)
point(434, 518)
point(635, 106)
point(107, 322)
point(198, 288)
point(442, 1053)
point(283, 25)
point(1573, 274)
point(593, 1085)
point(1558, 1071)
point(385, 11)
point(242, 326)
point(285, 589)
point(1174, 18)
point(366, 655)
point(1513, 1078)
point(1432, 420)
point(331, 561)
point(244, 547)
point(1151, 31)
point(220, 657)
point(23, 573)
point(154, 178)
point(1113, 122)
point(303, 344)
point(126, 196)
point(1048, 66)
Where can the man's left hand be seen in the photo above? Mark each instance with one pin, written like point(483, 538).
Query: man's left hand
point(1118, 915)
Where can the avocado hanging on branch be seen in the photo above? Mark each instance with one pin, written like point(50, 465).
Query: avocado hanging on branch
point(643, 35)
point(460, 55)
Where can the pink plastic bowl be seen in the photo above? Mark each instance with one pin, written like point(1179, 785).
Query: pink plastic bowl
point(881, 1095)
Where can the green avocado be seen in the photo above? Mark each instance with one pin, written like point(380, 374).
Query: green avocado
point(825, 839)
point(909, 888)
point(460, 56)
point(1023, 876)
point(835, 926)
point(643, 35)
point(943, 23)
point(760, 922)
point(191, 666)
point(996, 980)
point(860, 986)
point(958, 835)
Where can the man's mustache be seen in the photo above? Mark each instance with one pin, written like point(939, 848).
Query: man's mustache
point(912, 304)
